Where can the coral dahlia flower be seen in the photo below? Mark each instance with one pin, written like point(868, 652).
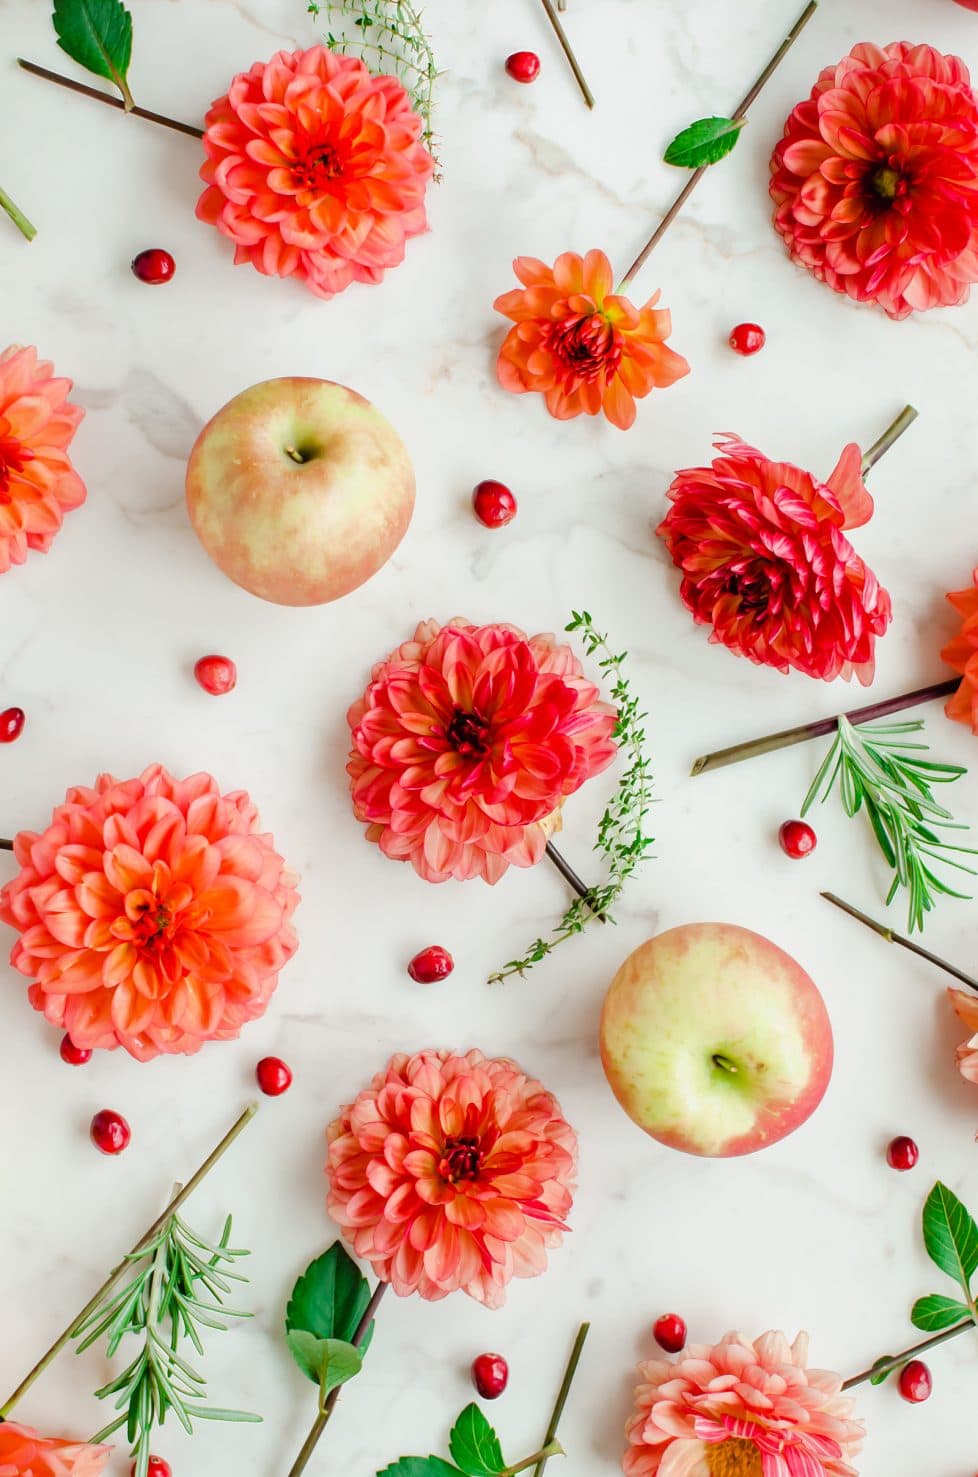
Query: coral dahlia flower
point(451, 1173)
point(466, 744)
point(962, 655)
point(741, 1409)
point(153, 914)
point(584, 347)
point(315, 169)
point(37, 482)
point(765, 561)
point(966, 1009)
point(25, 1453)
point(876, 178)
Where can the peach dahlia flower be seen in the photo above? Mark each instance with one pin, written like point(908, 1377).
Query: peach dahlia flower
point(153, 914)
point(25, 1453)
point(876, 178)
point(467, 742)
point(966, 1009)
point(962, 655)
point(315, 169)
point(37, 482)
point(450, 1173)
point(741, 1409)
point(583, 346)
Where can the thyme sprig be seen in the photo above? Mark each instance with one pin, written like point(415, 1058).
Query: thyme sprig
point(621, 831)
point(878, 771)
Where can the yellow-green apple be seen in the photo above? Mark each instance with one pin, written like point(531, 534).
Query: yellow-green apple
point(299, 490)
point(715, 1041)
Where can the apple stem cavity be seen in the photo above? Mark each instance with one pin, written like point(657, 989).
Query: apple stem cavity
point(570, 876)
point(896, 1361)
point(897, 938)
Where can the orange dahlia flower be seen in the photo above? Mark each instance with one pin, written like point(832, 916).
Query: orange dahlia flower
point(315, 169)
point(966, 1009)
point(876, 178)
point(24, 1453)
point(580, 344)
point(152, 914)
point(962, 655)
point(37, 482)
point(467, 742)
point(765, 562)
point(741, 1409)
point(452, 1173)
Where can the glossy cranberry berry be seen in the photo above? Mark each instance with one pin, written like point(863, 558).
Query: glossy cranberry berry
point(433, 963)
point(75, 1056)
point(110, 1133)
point(274, 1077)
point(157, 1468)
point(494, 504)
point(11, 724)
point(670, 1333)
point(915, 1382)
point(490, 1375)
point(154, 266)
point(216, 674)
point(747, 338)
point(523, 66)
point(902, 1153)
point(797, 839)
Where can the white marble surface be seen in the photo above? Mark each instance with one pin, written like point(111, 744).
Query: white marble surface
point(97, 641)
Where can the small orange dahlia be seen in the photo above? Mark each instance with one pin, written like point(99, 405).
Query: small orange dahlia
point(38, 484)
point(962, 655)
point(583, 346)
point(25, 1453)
point(965, 1007)
point(450, 1173)
point(153, 914)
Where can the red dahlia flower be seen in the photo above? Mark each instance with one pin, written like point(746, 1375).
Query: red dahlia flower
point(962, 655)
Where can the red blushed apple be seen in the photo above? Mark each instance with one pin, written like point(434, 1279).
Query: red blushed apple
point(299, 490)
point(715, 1041)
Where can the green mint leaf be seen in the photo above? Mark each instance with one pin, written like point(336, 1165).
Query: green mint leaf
point(931, 1314)
point(884, 1374)
point(327, 1362)
point(98, 35)
point(420, 1466)
point(951, 1236)
point(474, 1445)
point(330, 1298)
point(706, 141)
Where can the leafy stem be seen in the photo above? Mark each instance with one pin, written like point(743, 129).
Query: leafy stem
point(18, 217)
point(552, 1448)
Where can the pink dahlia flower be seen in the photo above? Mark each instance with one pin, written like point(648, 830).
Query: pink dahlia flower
point(741, 1409)
point(452, 1172)
point(876, 178)
point(37, 482)
point(966, 1009)
point(315, 169)
point(153, 914)
point(467, 742)
point(24, 1453)
point(765, 561)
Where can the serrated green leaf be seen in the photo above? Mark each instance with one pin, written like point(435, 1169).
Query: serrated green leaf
point(327, 1362)
point(932, 1313)
point(950, 1235)
point(420, 1466)
point(98, 35)
point(330, 1298)
point(474, 1445)
point(704, 142)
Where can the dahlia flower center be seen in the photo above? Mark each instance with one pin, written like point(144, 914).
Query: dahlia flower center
point(752, 591)
point(462, 1160)
point(588, 345)
point(317, 165)
point(13, 458)
point(734, 1458)
point(468, 734)
point(888, 183)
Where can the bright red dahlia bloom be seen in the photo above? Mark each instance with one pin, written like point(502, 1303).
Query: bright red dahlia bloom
point(153, 914)
point(450, 1173)
point(467, 742)
point(765, 561)
point(962, 655)
point(315, 169)
point(876, 179)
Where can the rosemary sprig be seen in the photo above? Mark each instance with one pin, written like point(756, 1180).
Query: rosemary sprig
point(621, 830)
point(879, 772)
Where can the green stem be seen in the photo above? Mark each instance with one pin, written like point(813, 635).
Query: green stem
point(112, 102)
point(892, 433)
point(897, 1361)
point(552, 1448)
point(562, 1394)
point(904, 943)
point(17, 216)
point(568, 51)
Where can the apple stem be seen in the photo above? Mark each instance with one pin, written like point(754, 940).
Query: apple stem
point(724, 1063)
point(295, 455)
point(898, 938)
point(570, 876)
point(889, 1363)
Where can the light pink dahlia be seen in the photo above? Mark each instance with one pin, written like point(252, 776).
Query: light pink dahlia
point(450, 1173)
point(467, 742)
point(741, 1409)
point(38, 484)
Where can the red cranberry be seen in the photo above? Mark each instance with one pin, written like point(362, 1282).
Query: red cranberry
point(11, 724)
point(915, 1382)
point(274, 1077)
point(670, 1333)
point(523, 66)
point(747, 338)
point(154, 266)
point(797, 839)
point(434, 963)
point(490, 1375)
point(494, 504)
point(216, 674)
point(902, 1153)
point(110, 1133)
point(157, 1468)
point(75, 1056)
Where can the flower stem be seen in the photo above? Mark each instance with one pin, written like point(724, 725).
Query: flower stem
point(18, 217)
point(886, 1366)
point(562, 1394)
point(568, 51)
point(112, 102)
point(822, 726)
point(892, 433)
point(123, 1266)
point(697, 175)
point(553, 1448)
point(570, 876)
point(897, 938)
